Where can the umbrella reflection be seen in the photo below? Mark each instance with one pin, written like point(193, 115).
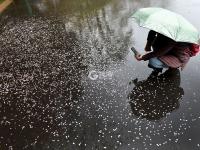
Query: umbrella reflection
point(155, 97)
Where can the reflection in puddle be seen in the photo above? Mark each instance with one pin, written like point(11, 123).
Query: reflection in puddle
point(64, 81)
point(155, 97)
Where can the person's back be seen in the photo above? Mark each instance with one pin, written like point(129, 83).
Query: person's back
point(173, 54)
point(182, 51)
point(159, 41)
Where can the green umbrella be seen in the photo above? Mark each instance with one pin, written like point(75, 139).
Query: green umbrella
point(167, 23)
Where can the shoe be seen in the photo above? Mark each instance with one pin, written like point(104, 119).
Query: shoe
point(159, 70)
point(156, 69)
point(155, 72)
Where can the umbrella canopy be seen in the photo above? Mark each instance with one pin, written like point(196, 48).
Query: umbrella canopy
point(167, 23)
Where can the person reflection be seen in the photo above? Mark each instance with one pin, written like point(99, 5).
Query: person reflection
point(154, 97)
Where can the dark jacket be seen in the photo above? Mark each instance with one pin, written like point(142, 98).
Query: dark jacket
point(174, 54)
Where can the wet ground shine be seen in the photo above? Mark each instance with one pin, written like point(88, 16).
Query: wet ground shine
point(68, 80)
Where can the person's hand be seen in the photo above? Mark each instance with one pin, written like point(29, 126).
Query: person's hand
point(138, 57)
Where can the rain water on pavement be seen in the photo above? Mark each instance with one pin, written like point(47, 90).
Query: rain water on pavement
point(68, 80)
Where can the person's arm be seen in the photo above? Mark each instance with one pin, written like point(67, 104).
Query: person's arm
point(151, 36)
point(150, 39)
point(162, 51)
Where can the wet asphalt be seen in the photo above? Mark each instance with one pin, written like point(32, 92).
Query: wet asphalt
point(69, 81)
